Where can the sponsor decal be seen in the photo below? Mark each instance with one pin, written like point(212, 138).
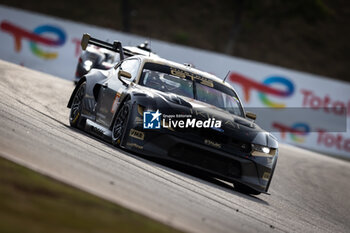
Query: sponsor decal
point(264, 89)
point(211, 143)
point(140, 110)
point(131, 144)
point(36, 37)
point(266, 176)
point(116, 101)
point(184, 74)
point(218, 129)
point(137, 134)
point(138, 120)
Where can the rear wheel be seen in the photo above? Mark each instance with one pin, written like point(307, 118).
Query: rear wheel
point(75, 118)
point(120, 123)
point(245, 189)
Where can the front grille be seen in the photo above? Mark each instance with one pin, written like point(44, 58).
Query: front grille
point(216, 137)
point(205, 159)
point(213, 135)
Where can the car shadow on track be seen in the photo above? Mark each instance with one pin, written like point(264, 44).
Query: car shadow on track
point(199, 176)
point(178, 169)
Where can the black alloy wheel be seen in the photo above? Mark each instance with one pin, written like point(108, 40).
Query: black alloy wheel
point(75, 118)
point(120, 123)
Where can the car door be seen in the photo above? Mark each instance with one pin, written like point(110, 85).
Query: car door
point(111, 90)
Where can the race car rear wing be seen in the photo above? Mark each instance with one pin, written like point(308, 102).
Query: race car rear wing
point(115, 47)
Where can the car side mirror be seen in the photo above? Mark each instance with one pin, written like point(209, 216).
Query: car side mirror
point(251, 115)
point(122, 73)
point(85, 41)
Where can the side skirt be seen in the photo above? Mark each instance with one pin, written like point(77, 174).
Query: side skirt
point(98, 130)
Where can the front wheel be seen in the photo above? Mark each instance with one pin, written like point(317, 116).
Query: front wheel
point(75, 118)
point(120, 123)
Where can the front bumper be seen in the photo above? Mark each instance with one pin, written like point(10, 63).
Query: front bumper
point(226, 163)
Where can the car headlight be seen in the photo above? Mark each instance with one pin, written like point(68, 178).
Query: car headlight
point(87, 65)
point(258, 150)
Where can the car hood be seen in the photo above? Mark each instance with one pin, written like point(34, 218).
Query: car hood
point(237, 127)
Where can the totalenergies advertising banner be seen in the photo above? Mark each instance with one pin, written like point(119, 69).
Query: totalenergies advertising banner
point(302, 109)
point(45, 43)
point(299, 108)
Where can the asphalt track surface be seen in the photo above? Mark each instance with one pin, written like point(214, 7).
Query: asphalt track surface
point(309, 193)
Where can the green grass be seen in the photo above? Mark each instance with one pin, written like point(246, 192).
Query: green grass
point(31, 202)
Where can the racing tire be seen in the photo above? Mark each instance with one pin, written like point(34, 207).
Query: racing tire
point(120, 123)
point(245, 189)
point(75, 118)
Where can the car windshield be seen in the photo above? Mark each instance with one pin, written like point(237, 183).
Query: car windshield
point(224, 99)
point(167, 83)
point(172, 80)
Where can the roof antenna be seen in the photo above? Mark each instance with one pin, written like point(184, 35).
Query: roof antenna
point(226, 76)
point(150, 47)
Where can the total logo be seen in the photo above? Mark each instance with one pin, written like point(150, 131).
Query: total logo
point(265, 88)
point(297, 131)
point(35, 38)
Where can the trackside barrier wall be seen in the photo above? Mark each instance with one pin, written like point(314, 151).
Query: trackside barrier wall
point(52, 45)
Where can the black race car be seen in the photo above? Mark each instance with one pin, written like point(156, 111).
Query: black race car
point(172, 111)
